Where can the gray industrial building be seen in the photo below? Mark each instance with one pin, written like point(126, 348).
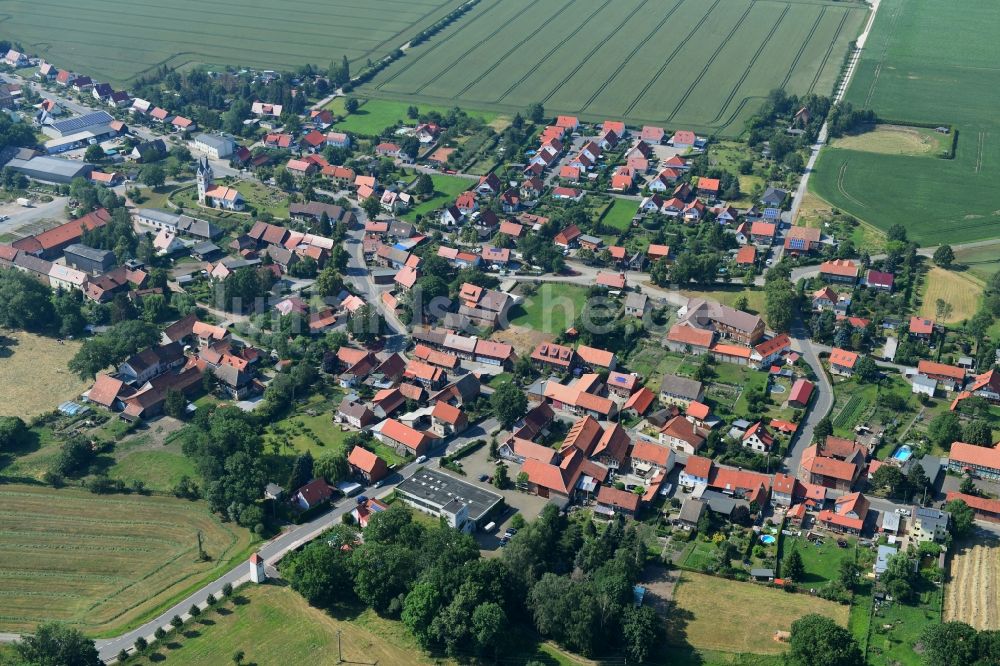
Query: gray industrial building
point(465, 506)
point(214, 145)
point(98, 124)
point(51, 169)
point(89, 259)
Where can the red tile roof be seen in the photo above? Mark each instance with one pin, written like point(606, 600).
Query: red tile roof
point(689, 335)
point(699, 467)
point(801, 391)
point(640, 400)
point(930, 368)
point(970, 454)
point(921, 326)
point(839, 267)
point(843, 358)
point(404, 434)
point(746, 255)
point(622, 499)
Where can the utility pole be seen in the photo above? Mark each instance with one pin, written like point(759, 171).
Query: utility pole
point(340, 655)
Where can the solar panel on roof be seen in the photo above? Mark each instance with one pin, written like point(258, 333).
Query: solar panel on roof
point(82, 122)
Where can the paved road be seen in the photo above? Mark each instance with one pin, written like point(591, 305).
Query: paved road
point(800, 192)
point(274, 550)
point(358, 275)
point(22, 217)
point(821, 405)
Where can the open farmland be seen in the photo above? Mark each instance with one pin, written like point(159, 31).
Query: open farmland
point(117, 39)
point(103, 562)
point(756, 611)
point(913, 72)
point(700, 65)
point(972, 594)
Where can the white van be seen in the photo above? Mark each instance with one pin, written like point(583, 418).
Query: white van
point(490, 527)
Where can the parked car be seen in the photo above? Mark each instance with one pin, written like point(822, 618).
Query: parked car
point(421, 459)
point(361, 499)
point(484, 477)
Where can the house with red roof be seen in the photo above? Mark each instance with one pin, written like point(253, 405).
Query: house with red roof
point(843, 362)
point(980, 461)
point(837, 464)
point(802, 240)
point(568, 236)
point(763, 233)
point(708, 187)
point(448, 420)
point(880, 280)
point(758, 438)
point(567, 194)
point(689, 339)
point(652, 134)
point(697, 471)
point(403, 438)
point(848, 515)
point(683, 139)
point(770, 351)
point(801, 393)
point(682, 435)
point(367, 465)
point(639, 402)
point(921, 328)
point(746, 256)
point(839, 270)
point(984, 509)
point(611, 501)
point(952, 377)
point(312, 494)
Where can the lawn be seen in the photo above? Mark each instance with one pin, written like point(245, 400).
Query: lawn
point(317, 434)
point(731, 616)
point(446, 190)
point(35, 377)
point(949, 296)
point(116, 40)
point(619, 214)
point(158, 470)
point(700, 555)
point(276, 625)
point(822, 563)
point(911, 73)
point(552, 309)
point(104, 562)
point(374, 115)
point(263, 198)
point(720, 59)
point(894, 645)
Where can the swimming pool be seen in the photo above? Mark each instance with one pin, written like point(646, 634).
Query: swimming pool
point(903, 453)
point(766, 538)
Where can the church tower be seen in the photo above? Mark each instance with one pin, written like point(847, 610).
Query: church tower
point(205, 179)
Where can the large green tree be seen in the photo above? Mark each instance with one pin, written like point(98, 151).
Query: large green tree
point(509, 404)
point(55, 644)
point(817, 640)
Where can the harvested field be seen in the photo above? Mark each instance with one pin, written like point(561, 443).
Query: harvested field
point(897, 140)
point(35, 378)
point(103, 562)
point(747, 619)
point(959, 296)
point(972, 593)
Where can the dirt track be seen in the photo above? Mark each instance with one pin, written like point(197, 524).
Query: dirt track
point(972, 594)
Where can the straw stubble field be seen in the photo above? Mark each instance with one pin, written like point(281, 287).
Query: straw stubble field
point(972, 594)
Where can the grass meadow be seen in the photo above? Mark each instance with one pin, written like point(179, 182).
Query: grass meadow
point(619, 214)
point(35, 378)
point(375, 115)
point(115, 40)
point(746, 621)
point(957, 292)
point(552, 309)
point(912, 72)
point(670, 63)
point(101, 562)
point(446, 190)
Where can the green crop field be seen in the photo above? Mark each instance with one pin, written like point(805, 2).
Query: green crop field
point(103, 562)
point(700, 65)
point(117, 39)
point(913, 72)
